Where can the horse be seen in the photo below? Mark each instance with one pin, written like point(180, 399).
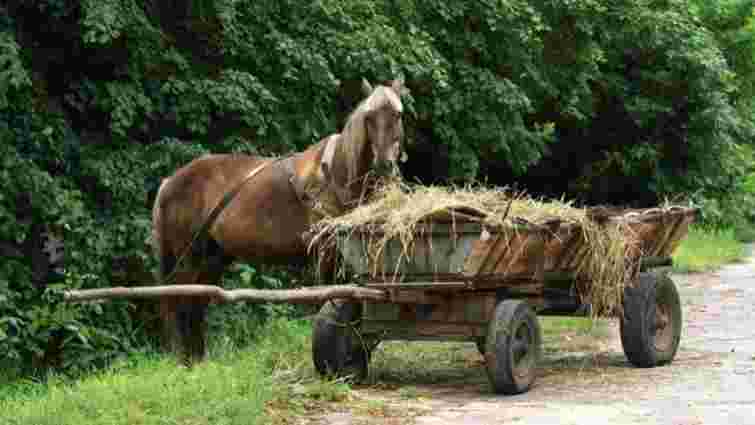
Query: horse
point(199, 226)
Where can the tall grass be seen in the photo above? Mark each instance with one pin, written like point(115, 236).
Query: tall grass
point(707, 249)
point(235, 387)
point(272, 383)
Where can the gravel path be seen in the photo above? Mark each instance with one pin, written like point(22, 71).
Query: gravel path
point(711, 381)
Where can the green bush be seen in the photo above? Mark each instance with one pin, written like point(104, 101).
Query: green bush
point(100, 100)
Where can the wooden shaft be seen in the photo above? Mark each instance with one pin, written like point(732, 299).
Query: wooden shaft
point(312, 295)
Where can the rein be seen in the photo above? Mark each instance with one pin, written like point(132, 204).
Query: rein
point(210, 220)
point(325, 164)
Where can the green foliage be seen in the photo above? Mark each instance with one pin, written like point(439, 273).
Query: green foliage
point(100, 100)
point(732, 23)
point(13, 74)
point(236, 325)
point(233, 388)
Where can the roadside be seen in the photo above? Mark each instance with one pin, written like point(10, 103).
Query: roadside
point(584, 375)
point(710, 381)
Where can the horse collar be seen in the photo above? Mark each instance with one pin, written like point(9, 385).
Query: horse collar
point(326, 166)
point(330, 151)
point(326, 161)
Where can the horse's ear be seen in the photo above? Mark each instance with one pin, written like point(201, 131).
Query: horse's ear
point(366, 87)
point(398, 86)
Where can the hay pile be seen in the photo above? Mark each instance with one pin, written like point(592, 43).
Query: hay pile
point(394, 211)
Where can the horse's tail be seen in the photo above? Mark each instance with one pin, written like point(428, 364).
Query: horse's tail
point(183, 317)
point(160, 245)
point(167, 264)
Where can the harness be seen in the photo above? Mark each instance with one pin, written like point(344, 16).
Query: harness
point(299, 186)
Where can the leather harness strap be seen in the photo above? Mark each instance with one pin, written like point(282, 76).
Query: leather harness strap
point(299, 185)
point(214, 213)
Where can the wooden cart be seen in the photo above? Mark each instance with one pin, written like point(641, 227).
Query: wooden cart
point(462, 281)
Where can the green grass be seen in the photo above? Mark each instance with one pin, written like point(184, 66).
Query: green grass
point(412, 363)
point(235, 387)
point(707, 249)
point(555, 326)
point(271, 382)
point(745, 233)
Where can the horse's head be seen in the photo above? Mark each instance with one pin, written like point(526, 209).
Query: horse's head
point(374, 132)
point(383, 125)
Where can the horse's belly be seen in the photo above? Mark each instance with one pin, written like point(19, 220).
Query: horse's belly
point(268, 234)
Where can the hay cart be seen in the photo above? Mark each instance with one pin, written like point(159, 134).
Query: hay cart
point(463, 281)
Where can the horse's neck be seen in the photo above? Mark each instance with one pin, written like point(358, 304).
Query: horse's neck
point(348, 172)
point(324, 172)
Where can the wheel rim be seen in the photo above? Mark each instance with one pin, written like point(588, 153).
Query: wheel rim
point(662, 328)
point(522, 353)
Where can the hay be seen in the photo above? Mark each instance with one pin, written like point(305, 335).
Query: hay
point(394, 211)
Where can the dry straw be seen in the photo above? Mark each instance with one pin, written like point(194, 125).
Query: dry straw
point(394, 211)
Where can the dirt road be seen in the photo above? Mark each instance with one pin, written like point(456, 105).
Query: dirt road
point(712, 380)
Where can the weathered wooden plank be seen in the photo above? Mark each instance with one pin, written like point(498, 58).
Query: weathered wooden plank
point(523, 286)
point(435, 286)
point(416, 297)
point(406, 330)
point(560, 247)
point(312, 295)
point(679, 234)
point(669, 226)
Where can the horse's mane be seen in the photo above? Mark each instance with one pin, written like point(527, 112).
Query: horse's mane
point(354, 135)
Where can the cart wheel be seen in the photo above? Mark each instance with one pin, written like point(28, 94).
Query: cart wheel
point(480, 342)
point(513, 348)
point(652, 322)
point(336, 347)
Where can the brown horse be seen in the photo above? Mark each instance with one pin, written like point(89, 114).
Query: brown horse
point(268, 218)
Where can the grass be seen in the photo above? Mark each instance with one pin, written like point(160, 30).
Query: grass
point(235, 387)
point(401, 363)
point(706, 249)
point(745, 233)
point(272, 382)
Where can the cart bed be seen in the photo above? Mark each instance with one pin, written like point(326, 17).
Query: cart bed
point(463, 250)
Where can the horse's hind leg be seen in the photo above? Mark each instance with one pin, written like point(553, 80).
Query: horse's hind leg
point(191, 312)
point(185, 317)
point(191, 326)
point(169, 338)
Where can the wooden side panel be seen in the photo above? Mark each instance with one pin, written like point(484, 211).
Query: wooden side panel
point(461, 314)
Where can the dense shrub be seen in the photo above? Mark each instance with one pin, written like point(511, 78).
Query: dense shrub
point(627, 101)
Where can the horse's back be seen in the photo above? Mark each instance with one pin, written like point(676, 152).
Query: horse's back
point(207, 171)
point(186, 197)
